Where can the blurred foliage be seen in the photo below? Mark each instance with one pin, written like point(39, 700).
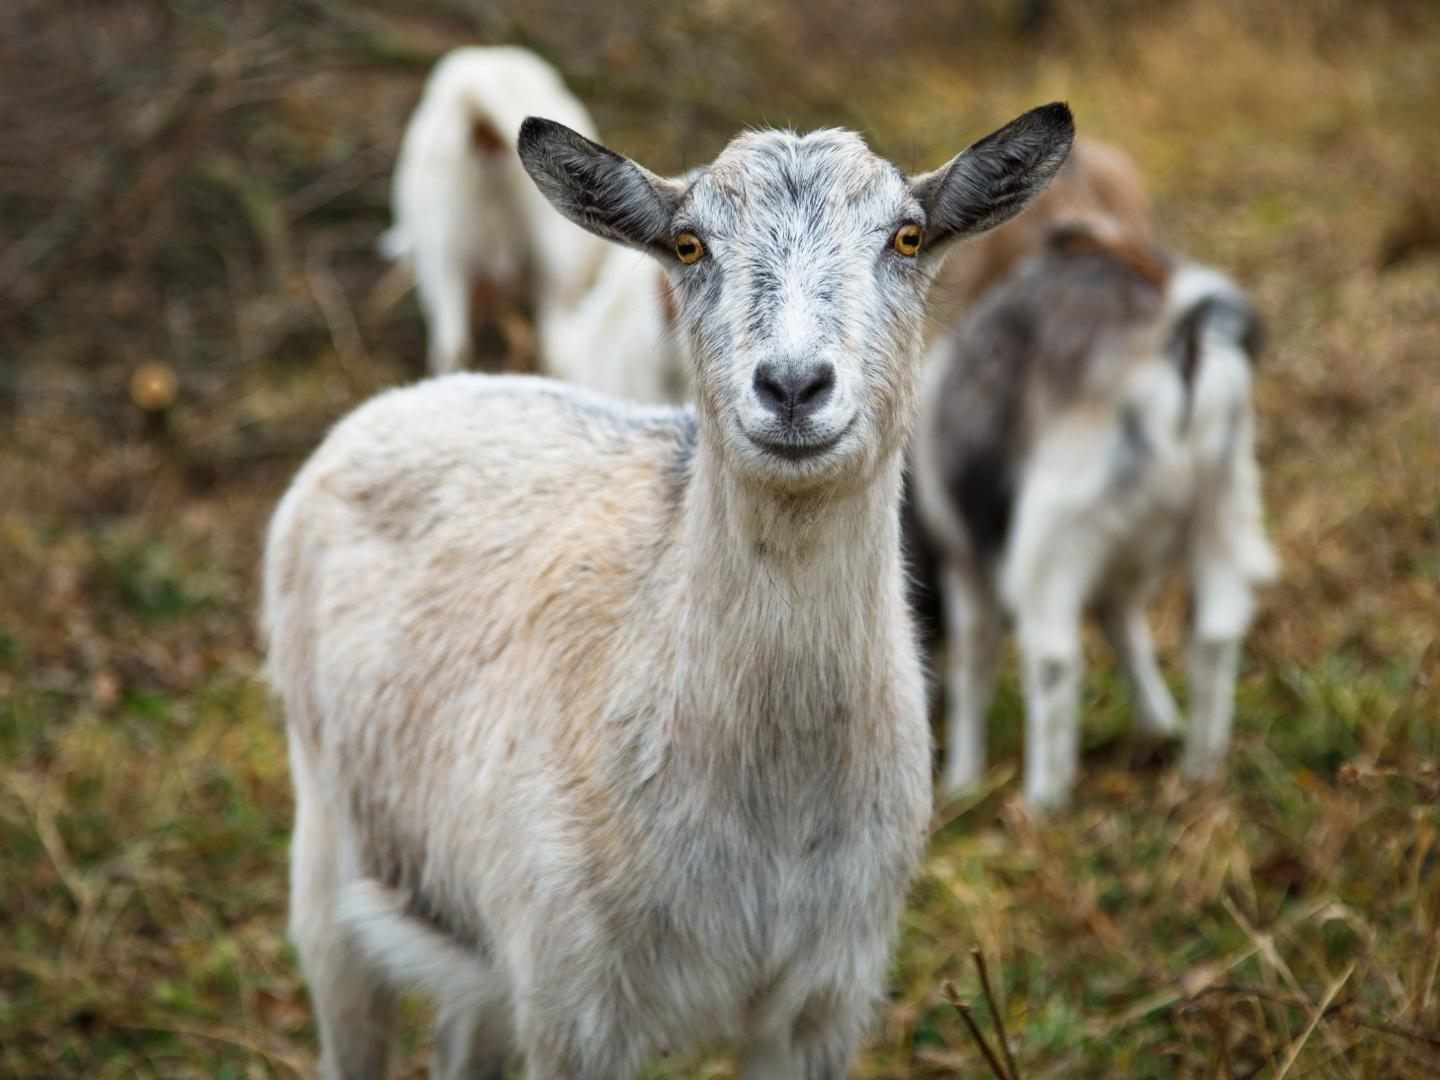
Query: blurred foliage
point(190, 194)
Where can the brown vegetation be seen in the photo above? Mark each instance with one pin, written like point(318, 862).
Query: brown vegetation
point(189, 199)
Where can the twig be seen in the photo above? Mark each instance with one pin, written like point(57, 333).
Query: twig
point(1178, 994)
point(1400, 1031)
point(43, 820)
point(956, 808)
point(1265, 942)
point(1328, 1009)
point(282, 445)
point(352, 174)
point(1319, 1015)
point(388, 291)
point(964, 1010)
point(1217, 1033)
point(1010, 1067)
point(1359, 1019)
point(225, 1035)
point(339, 318)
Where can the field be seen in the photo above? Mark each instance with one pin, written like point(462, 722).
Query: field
point(196, 188)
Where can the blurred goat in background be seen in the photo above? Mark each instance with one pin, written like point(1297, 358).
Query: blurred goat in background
point(483, 242)
point(1099, 188)
point(1088, 427)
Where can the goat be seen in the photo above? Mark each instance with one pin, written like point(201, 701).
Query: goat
point(1088, 427)
point(606, 722)
point(1098, 188)
point(477, 233)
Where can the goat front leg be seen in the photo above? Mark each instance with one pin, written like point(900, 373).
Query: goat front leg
point(1050, 649)
point(570, 1028)
point(1229, 556)
point(774, 1057)
point(972, 647)
point(809, 1052)
point(354, 1007)
point(1126, 630)
point(1213, 663)
point(445, 297)
point(470, 1043)
point(782, 1059)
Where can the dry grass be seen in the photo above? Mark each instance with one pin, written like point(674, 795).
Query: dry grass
point(201, 184)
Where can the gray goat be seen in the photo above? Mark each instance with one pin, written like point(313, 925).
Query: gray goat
point(1088, 427)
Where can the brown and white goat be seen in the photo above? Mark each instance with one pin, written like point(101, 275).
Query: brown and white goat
point(1088, 427)
point(1098, 189)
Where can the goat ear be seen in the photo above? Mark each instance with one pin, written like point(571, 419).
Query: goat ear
point(598, 189)
point(997, 177)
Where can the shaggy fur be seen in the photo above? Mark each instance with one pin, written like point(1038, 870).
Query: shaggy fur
point(1089, 427)
point(479, 236)
point(606, 722)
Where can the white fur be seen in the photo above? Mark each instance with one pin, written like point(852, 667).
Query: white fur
point(1078, 538)
point(465, 216)
point(606, 721)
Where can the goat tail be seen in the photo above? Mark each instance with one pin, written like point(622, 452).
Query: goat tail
point(408, 949)
point(490, 133)
point(1204, 301)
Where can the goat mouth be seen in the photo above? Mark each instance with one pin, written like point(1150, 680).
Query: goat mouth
point(798, 450)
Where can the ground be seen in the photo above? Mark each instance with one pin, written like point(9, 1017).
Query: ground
point(194, 190)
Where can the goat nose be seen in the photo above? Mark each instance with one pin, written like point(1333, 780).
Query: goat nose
point(794, 391)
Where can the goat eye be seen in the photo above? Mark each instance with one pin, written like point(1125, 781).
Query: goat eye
point(907, 239)
point(688, 247)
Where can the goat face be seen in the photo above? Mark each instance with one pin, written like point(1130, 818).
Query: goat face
point(801, 266)
point(803, 312)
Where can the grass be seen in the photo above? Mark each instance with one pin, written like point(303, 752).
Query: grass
point(225, 172)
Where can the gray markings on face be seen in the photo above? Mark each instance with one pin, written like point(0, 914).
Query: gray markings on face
point(802, 313)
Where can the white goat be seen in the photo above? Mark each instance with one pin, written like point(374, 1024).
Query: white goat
point(474, 229)
point(607, 723)
point(1090, 426)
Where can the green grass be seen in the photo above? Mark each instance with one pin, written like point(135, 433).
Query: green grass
point(1286, 921)
point(146, 843)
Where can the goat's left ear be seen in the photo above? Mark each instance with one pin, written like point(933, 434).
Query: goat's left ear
point(598, 189)
point(997, 177)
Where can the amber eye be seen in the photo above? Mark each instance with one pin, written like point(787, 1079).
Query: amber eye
point(688, 248)
point(907, 239)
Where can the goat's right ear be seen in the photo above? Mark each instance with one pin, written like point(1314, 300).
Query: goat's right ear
point(997, 177)
point(598, 189)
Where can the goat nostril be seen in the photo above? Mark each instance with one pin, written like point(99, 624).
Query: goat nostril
point(793, 391)
point(820, 382)
point(769, 389)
